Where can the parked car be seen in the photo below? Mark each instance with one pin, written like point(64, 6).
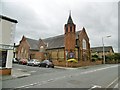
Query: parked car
point(14, 60)
point(33, 62)
point(47, 64)
point(23, 61)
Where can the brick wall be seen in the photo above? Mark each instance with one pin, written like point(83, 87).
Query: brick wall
point(79, 64)
point(23, 49)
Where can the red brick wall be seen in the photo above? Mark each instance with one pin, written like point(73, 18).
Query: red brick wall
point(83, 35)
point(69, 38)
point(26, 52)
point(79, 64)
point(37, 55)
point(23, 49)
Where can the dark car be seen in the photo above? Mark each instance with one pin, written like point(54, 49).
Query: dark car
point(47, 64)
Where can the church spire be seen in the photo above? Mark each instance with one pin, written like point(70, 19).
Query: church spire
point(70, 21)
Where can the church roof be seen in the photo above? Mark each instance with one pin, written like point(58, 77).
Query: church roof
point(34, 44)
point(57, 41)
point(52, 42)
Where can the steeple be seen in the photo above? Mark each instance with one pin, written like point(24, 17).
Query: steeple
point(70, 21)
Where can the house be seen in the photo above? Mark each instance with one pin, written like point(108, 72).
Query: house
point(7, 32)
point(108, 50)
point(72, 44)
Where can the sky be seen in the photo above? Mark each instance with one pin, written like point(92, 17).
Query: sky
point(46, 18)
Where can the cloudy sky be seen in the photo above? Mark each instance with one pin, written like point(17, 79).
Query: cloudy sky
point(46, 18)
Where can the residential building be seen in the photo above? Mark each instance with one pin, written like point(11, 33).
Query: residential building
point(99, 51)
point(7, 32)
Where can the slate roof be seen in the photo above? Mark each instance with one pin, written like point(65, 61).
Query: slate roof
point(52, 42)
point(34, 44)
point(57, 41)
point(100, 49)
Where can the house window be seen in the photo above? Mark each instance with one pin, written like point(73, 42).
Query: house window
point(84, 44)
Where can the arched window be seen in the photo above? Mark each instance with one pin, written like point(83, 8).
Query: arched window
point(41, 49)
point(22, 49)
point(66, 29)
point(84, 44)
point(70, 28)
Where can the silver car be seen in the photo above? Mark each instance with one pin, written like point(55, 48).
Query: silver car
point(33, 62)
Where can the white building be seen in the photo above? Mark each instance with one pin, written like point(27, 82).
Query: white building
point(7, 33)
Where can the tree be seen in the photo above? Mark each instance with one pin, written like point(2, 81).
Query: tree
point(117, 57)
point(94, 57)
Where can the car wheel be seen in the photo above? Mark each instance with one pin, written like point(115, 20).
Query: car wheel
point(39, 65)
point(52, 66)
point(32, 64)
point(47, 66)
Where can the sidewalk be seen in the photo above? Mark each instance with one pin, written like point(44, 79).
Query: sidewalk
point(64, 67)
point(15, 73)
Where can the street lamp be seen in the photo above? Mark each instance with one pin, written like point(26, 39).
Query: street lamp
point(104, 48)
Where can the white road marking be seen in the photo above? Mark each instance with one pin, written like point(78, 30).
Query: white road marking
point(94, 86)
point(116, 86)
point(47, 81)
point(112, 82)
point(32, 71)
point(19, 69)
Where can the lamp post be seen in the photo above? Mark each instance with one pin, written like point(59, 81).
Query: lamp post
point(104, 48)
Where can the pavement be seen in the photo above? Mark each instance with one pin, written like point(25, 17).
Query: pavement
point(15, 73)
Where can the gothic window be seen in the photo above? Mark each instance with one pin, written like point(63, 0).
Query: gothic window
point(42, 49)
point(22, 49)
point(74, 28)
point(66, 29)
point(84, 44)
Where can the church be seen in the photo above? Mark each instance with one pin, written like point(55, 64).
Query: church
point(72, 44)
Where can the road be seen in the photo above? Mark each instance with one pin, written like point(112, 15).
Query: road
point(98, 76)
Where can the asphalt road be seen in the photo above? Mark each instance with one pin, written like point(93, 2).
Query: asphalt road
point(98, 76)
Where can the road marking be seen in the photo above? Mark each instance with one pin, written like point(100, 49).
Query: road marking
point(112, 82)
point(116, 86)
point(32, 71)
point(94, 86)
point(19, 69)
point(55, 79)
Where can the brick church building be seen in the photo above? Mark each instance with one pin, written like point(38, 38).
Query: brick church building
point(71, 44)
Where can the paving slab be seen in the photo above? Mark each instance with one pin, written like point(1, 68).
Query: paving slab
point(15, 73)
